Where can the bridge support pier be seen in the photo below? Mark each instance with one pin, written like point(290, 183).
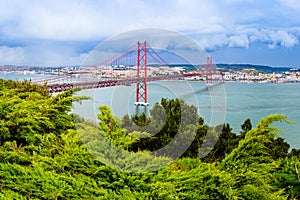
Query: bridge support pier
point(209, 67)
point(141, 108)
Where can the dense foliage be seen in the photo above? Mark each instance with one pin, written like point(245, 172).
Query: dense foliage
point(44, 154)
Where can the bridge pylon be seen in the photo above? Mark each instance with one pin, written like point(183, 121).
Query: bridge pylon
point(209, 69)
point(141, 77)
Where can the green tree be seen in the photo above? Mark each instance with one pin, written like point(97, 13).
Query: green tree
point(195, 148)
point(246, 126)
point(43, 155)
point(287, 177)
point(111, 127)
point(226, 142)
point(252, 162)
point(171, 117)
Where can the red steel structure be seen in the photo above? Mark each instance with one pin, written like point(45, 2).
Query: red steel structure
point(139, 55)
point(61, 87)
point(141, 84)
point(209, 68)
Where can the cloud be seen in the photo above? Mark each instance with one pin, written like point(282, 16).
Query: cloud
point(275, 38)
point(238, 41)
point(292, 4)
point(41, 55)
point(282, 38)
point(65, 21)
point(90, 20)
point(214, 24)
point(11, 55)
point(239, 1)
point(217, 41)
point(245, 36)
point(84, 20)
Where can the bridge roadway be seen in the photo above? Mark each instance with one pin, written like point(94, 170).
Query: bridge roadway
point(61, 87)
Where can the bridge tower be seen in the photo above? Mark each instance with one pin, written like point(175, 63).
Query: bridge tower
point(209, 68)
point(141, 84)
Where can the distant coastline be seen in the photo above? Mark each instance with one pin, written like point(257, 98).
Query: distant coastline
point(231, 72)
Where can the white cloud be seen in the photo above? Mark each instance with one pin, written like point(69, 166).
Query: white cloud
point(239, 1)
point(211, 42)
point(238, 41)
point(282, 38)
point(40, 55)
point(244, 36)
point(83, 20)
point(86, 20)
point(9, 55)
point(213, 23)
point(293, 4)
point(66, 21)
point(275, 37)
point(258, 35)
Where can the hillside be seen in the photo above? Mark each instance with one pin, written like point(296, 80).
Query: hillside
point(261, 68)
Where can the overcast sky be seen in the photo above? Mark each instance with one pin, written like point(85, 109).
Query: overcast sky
point(46, 32)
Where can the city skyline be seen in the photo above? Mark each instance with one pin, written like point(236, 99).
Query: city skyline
point(232, 31)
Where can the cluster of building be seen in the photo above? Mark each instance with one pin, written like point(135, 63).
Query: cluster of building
point(253, 76)
point(124, 72)
point(245, 75)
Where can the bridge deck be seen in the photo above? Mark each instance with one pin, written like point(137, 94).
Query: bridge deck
point(61, 87)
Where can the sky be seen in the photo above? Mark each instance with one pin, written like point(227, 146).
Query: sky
point(56, 33)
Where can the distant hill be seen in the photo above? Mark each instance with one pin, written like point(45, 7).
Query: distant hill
point(261, 68)
point(240, 67)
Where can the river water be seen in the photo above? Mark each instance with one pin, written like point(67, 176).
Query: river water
point(232, 102)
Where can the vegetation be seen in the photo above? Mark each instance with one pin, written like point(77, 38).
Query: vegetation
point(44, 154)
point(257, 68)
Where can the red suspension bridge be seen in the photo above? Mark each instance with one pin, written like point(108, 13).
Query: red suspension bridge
point(138, 58)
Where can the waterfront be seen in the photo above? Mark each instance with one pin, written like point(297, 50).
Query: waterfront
point(243, 100)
